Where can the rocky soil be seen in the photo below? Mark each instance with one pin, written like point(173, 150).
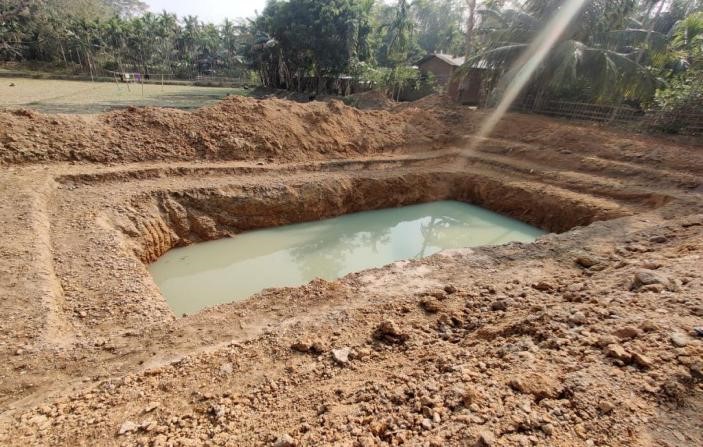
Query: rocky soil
point(591, 336)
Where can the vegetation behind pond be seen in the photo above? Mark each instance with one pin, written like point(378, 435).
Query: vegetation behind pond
point(646, 53)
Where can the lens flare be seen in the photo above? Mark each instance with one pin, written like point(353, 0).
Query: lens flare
point(522, 70)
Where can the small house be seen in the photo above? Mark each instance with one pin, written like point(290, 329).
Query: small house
point(443, 67)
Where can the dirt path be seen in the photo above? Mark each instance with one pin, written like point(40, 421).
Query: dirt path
point(585, 337)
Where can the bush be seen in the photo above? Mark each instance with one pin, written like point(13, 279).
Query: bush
point(393, 81)
point(680, 104)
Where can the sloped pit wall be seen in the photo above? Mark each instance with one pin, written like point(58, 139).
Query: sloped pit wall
point(165, 219)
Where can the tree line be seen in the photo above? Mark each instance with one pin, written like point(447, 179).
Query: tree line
point(614, 50)
point(117, 35)
point(318, 37)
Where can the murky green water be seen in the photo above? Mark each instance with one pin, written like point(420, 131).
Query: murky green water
point(211, 273)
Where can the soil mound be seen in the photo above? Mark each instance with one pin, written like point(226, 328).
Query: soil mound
point(370, 100)
point(445, 110)
point(237, 128)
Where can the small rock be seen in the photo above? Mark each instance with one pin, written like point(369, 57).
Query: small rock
point(651, 265)
point(542, 286)
point(627, 332)
point(430, 305)
point(499, 305)
point(641, 360)
point(547, 429)
point(426, 424)
point(307, 346)
point(450, 289)
point(656, 288)
point(226, 369)
point(389, 332)
point(578, 318)
point(588, 260)
point(658, 239)
point(617, 352)
point(538, 385)
point(606, 340)
point(649, 326)
point(679, 340)
point(341, 355)
point(605, 407)
point(151, 407)
point(486, 439)
point(149, 425)
point(127, 427)
point(636, 248)
point(575, 287)
point(285, 441)
point(693, 221)
point(698, 331)
point(645, 278)
point(301, 346)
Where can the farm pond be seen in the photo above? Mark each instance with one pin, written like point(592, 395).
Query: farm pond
point(210, 273)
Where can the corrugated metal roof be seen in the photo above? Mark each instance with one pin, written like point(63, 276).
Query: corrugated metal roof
point(454, 61)
point(449, 59)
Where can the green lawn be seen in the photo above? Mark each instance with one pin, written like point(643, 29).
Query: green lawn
point(55, 96)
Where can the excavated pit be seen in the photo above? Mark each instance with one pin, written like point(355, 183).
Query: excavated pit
point(89, 345)
point(163, 220)
point(293, 255)
point(159, 220)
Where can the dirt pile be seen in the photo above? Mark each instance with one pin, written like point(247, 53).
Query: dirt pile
point(235, 129)
point(370, 100)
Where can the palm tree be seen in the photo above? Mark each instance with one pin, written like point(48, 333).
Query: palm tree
point(188, 40)
point(399, 32)
point(166, 31)
point(470, 25)
point(687, 37)
point(594, 55)
point(228, 32)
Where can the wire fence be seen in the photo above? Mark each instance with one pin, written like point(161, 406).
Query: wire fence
point(172, 78)
point(685, 121)
point(134, 76)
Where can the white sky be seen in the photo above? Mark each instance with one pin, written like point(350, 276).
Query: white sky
point(209, 10)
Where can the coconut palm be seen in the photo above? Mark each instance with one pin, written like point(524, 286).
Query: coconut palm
point(399, 33)
point(687, 36)
point(597, 54)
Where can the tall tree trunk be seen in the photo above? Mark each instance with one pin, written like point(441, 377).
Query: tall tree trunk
point(63, 54)
point(651, 24)
point(470, 24)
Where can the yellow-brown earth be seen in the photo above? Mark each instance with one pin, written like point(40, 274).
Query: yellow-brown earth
point(585, 337)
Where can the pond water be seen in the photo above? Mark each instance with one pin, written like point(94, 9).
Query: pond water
point(209, 273)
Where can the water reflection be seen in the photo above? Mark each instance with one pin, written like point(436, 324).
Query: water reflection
point(221, 271)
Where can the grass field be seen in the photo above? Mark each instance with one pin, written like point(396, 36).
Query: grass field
point(57, 96)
